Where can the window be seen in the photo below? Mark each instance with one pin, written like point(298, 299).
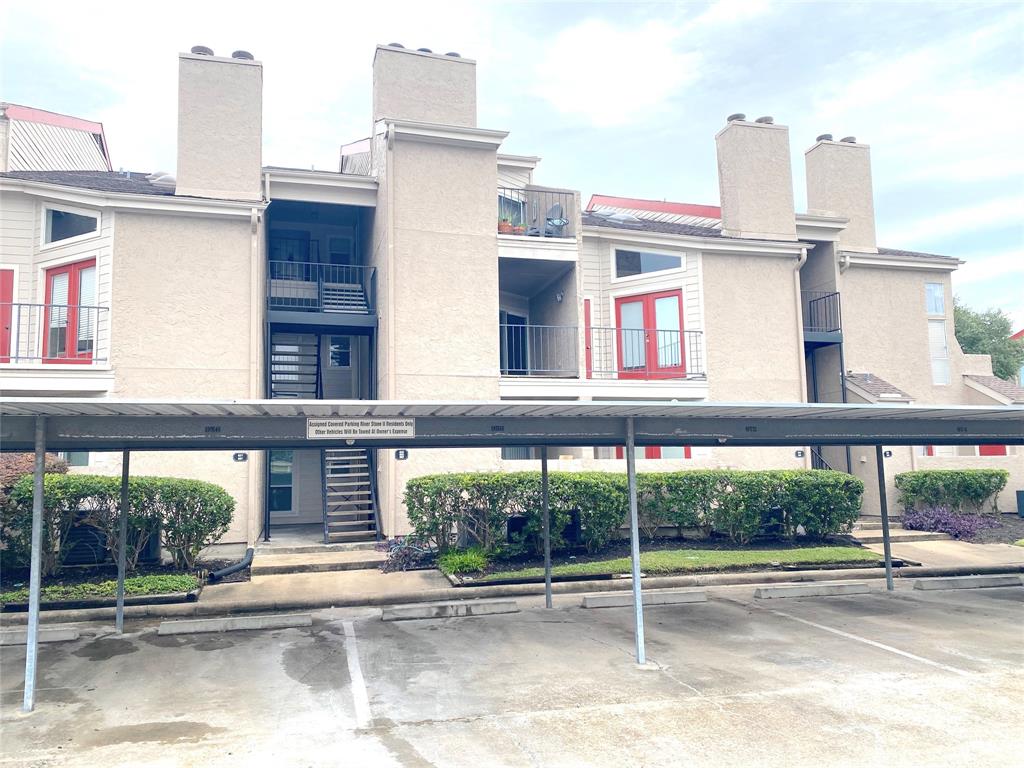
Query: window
point(518, 453)
point(75, 458)
point(63, 225)
point(628, 263)
point(341, 352)
point(657, 452)
point(512, 207)
point(935, 298)
point(70, 313)
point(961, 451)
point(281, 481)
point(939, 351)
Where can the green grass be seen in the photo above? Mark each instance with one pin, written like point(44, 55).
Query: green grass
point(472, 560)
point(1019, 543)
point(154, 584)
point(669, 561)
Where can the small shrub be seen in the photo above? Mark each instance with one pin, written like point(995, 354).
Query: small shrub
point(15, 524)
point(456, 561)
point(959, 525)
point(960, 490)
point(193, 515)
point(407, 553)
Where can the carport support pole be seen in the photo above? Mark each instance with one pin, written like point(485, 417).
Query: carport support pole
point(122, 556)
point(634, 541)
point(545, 503)
point(879, 461)
point(32, 640)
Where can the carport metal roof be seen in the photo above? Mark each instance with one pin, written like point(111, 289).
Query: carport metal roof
point(234, 424)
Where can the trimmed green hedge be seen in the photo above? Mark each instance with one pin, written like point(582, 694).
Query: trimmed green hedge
point(187, 514)
point(474, 508)
point(959, 490)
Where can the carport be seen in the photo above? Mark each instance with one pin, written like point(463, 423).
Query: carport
point(56, 424)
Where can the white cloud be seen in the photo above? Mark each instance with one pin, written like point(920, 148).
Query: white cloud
point(612, 75)
point(997, 212)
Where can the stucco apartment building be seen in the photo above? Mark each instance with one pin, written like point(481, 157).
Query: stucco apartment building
point(430, 266)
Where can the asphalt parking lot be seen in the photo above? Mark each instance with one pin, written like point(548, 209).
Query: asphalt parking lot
point(912, 678)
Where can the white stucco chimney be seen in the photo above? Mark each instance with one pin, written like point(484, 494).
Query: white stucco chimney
point(423, 86)
point(755, 180)
point(220, 125)
point(839, 184)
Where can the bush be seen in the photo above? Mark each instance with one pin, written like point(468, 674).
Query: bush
point(14, 535)
point(959, 490)
point(190, 514)
point(153, 584)
point(472, 560)
point(474, 509)
point(959, 525)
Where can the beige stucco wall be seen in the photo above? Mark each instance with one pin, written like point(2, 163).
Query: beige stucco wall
point(883, 303)
point(428, 88)
point(839, 184)
point(752, 333)
point(755, 181)
point(183, 327)
point(435, 233)
point(220, 125)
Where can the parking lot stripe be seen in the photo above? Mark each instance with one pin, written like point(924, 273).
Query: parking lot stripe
point(355, 673)
point(873, 643)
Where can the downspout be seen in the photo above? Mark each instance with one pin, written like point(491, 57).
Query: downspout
point(844, 262)
point(801, 363)
point(256, 345)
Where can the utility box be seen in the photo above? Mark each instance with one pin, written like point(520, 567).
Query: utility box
point(1020, 503)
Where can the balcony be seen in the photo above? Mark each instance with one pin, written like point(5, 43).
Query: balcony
point(329, 294)
point(822, 317)
point(538, 212)
point(643, 354)
point(55, 348)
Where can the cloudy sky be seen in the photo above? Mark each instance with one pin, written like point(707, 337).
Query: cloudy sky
point(617, 98)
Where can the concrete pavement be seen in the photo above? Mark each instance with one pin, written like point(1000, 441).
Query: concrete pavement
point(951, 554)
point(910, 678)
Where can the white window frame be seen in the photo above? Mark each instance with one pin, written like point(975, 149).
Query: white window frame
point(932, 358)
point(614, 279)
point(92, 213)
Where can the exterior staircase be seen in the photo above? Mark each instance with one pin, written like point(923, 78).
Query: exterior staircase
point(350, 503)
point(294, 365)
point(868, 530)
point(344, 297)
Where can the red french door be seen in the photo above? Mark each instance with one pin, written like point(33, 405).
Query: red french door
point(649, 339)
point(6, 300)
point(69, 324)
point(587, 339)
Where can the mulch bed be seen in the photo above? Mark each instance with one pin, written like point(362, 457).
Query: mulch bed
point(1011, 530)
point(15, 578)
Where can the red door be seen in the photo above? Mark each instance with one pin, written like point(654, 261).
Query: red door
point(70, 319)
point(659, 452)
point(991, 450)
point(6, 299)
point(649, 339)
point(587, 339)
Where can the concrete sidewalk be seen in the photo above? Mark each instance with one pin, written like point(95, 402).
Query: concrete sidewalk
point(954, 554)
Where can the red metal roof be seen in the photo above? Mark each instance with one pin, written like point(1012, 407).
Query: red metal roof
point(1018, 335)
point(655, 206)
point(33, 115)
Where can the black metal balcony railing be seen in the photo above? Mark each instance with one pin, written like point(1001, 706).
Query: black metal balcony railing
point(312, 287)
point(536, 212)
point(822, 311)
point(52, 333)
point(611, 353)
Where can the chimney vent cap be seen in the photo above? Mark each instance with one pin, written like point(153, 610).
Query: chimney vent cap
point(849, 140)
point(424, 50)
point(202, 50)
point(766, 120)
point(453, 54)
point(824, 137)
point(735, 116)
point(395, 45)
point(244, 55)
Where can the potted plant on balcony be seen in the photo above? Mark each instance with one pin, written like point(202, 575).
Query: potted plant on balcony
point(504, 227)
point(518, 229)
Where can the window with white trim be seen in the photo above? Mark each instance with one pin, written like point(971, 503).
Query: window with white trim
point(938, 350)
point(935, 298)
point(64, 225)
point(629, 263)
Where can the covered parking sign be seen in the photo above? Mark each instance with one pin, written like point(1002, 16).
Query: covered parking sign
point(354, 429)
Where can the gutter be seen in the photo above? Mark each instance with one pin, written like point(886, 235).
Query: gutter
point(801, 361)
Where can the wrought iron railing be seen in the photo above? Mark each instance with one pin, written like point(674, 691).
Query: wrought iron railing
point(610, 353)
point(539, 350)
point(312, 287)
point(644, 353)
point(822, 311)
point(53, 333)
point(536, 212)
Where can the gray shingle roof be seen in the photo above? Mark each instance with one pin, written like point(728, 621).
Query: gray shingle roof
point(1005, 388)
point(646, 225)
point(104, 181)
point(876, 387)
point(913, 254)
